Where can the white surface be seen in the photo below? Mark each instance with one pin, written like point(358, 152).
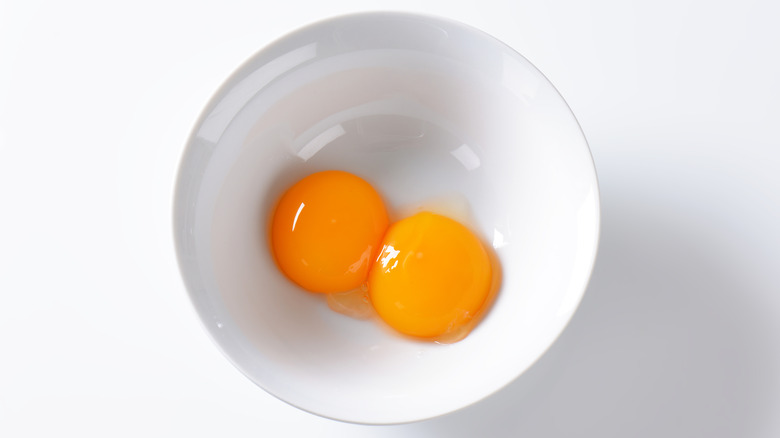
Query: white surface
point(677, 336)
point(403, 92)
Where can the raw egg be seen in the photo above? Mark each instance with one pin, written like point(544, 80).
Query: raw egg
point(326, 231)
point(432, 277)
point(425, 276)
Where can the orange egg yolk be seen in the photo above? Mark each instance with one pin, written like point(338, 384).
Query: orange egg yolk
point(326, 231)
point(431, 278)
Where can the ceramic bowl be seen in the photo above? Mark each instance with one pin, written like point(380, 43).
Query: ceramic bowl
point(426, 109)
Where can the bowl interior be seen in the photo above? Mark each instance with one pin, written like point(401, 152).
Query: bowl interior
point(432, 113)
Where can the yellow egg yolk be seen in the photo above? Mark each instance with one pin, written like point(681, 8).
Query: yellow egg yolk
point(326, 231)
point(432, 277)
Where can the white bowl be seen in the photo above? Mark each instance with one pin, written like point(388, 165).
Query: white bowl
point(424, 108)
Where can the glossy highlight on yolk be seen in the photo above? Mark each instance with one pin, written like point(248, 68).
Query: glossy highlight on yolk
point(326, 231)
point(432, 277)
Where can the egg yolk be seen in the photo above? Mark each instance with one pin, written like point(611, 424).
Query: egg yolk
point(326, 231)
point(431, 278)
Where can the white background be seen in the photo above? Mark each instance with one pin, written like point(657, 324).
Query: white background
point(678, 334)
